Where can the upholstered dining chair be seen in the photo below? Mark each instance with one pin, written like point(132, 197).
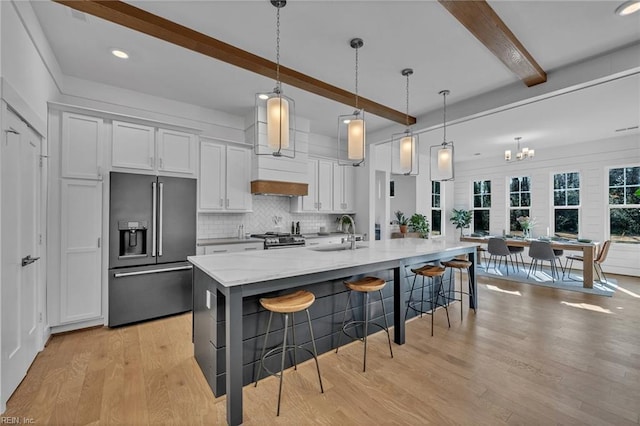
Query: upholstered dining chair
point(539, 251)
point(597, 261)
point(497, 248)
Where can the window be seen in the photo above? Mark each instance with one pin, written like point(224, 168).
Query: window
point(481, 206)
point(624, 204)
point(436, 209)
point(566, 204)
point(519, 202)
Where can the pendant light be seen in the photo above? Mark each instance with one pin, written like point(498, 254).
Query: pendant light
point(351, 127)
point(275, 112)
point(404, 146)
point(442, 155)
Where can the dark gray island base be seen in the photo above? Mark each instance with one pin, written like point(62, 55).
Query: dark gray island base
point(229, 323)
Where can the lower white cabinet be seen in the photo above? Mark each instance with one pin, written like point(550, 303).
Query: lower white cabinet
point(231, 248)
point(81, 234)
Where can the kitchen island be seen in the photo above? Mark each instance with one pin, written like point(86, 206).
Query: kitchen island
point(227, 288)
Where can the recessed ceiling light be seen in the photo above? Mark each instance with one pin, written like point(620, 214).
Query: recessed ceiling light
point(263, 96)
point(119, 53)
point(477, 153)
point(628, 7)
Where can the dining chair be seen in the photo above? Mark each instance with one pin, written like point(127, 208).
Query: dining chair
point(597, 262)
point(498, 247)
point(539, 251)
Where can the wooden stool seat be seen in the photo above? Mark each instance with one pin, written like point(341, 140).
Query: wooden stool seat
point(422, 268)
point(435, 271)
point(293, 302)
point(366, 284)
point(458, 264)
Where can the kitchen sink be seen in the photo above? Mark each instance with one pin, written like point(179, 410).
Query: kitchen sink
point(336, 247)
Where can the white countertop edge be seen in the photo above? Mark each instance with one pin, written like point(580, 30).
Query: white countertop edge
point(233, 269)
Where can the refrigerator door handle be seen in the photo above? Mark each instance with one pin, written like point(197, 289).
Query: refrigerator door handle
point(153, 215)
point(152, 271)
point(160, 220)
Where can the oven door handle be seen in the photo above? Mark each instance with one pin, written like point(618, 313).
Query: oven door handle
point(152, 271)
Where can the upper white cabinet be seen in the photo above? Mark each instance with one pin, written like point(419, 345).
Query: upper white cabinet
point(82, 146)
point(343, 189)
point(320, 196)
point(134, 147)
point(225, 177)
point(176, 152)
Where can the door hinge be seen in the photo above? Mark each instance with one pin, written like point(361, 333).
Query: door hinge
point(41, 158)
point(40, 320)
point(40, 239)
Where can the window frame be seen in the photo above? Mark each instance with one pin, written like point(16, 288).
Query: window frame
point(552, 194)
point(433, 208)
point(609, 206)
point(482, 208)
point(515, 231)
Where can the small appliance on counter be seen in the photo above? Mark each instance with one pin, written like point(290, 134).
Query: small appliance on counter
point(152, 230)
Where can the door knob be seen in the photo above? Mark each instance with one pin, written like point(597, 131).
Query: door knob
point(28, 260)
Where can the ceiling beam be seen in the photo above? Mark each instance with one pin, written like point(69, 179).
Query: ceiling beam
point(485, 24)
point(140, 20)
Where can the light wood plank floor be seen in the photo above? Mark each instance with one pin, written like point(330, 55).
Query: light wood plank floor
point(531, 355)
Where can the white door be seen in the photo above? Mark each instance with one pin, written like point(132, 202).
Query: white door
point(133, 146)
point(238, 178)
point(176, 152)
point(325, 186)
point(212, 176)
point(20, 154)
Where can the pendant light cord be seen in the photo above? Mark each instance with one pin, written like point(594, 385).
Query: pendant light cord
point(407, 115)
point(278, 83)
point(357, 48)
point(444, 124)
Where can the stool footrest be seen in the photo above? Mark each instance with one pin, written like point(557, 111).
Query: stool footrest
point(358, 322)
point(411, 306)
point(278, 350)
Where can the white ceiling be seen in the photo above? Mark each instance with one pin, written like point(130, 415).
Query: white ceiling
point(397, 34)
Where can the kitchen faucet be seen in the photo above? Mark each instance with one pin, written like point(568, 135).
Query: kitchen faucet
point(351, 237)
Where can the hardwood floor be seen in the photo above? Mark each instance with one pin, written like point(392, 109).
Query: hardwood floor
point(531, 355)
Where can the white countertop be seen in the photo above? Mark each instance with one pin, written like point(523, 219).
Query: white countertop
point(234, 269)
point(230, 240)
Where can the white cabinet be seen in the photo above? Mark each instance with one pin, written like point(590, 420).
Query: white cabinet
point(81, 233)
point(319, 241)
point(343, 189)
point(135, 146)
point(233, 248)
point(176, 152)
point(82, 145)
point(225, 177)
point(320, 195)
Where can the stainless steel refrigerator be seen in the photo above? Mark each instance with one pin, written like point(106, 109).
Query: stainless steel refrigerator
point(152, 230)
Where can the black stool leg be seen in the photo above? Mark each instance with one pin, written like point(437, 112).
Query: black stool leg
point(284, 350)
point(293, 334)
point(386, 324)
point(264, 347)
point(366, 329)
point(344, 319)
point(472, 293)
point(446, 309)
point(315, 352)
point(433, 306)
point(422, 298)
point(406, 313)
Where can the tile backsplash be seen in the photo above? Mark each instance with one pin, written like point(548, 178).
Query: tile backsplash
point(265, 208)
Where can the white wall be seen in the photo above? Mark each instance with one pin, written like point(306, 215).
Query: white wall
point(591, 159)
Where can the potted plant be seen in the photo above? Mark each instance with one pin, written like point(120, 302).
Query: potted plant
point(419, 223)
point(402, 220)
point(461, 219)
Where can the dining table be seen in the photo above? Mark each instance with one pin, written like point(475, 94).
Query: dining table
point(588, 249)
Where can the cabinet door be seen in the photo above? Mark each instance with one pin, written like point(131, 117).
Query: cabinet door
point(212, 176)
point(238, 178)
point(133, 146)
point(82, 141)
point(80, 280)
point(176, 152)
point(348, 189)
point(338, 174)
point(325, 186)
point(310, 201)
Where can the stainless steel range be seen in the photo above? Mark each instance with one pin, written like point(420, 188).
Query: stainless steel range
point(274, 240)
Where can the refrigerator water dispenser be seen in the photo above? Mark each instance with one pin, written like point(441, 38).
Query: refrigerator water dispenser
point(133, 238)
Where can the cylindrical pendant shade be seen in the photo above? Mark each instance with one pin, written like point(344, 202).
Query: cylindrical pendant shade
point(406, 153)
point(445, 161)
point(355, 135)
point(507, 155)
point(277, 123)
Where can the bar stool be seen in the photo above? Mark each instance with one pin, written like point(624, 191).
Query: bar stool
point(365, 285)
point(288, 304)
point(428, 271)
point(460, 265)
